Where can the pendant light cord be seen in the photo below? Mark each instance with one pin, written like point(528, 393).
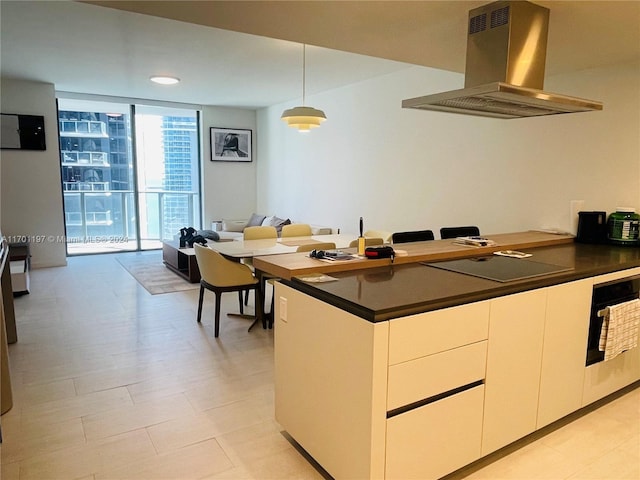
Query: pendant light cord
point(304, 69)
point(303, 118)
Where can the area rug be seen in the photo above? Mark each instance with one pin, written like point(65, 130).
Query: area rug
point(152, 274)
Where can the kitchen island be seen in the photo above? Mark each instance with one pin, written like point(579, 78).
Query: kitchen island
point(413, 371)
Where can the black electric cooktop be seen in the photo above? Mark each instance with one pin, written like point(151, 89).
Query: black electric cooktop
point(498, 268)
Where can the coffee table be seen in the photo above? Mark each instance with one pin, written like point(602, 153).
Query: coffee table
point(181, 261)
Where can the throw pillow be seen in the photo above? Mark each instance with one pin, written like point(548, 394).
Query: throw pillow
point(267, 221)
point(279, 222)
point(276, 222)
point(256, 220)
point(280, 225)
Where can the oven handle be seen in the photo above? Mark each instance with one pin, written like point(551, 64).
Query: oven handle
point(604, 312)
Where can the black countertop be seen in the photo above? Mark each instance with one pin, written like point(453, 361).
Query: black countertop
point(385, 293)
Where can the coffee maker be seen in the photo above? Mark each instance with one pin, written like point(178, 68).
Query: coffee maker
point(592, 227)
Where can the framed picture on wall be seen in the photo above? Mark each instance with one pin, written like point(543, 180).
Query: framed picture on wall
point(230, 145)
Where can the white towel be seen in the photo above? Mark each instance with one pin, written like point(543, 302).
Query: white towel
point(620, 329)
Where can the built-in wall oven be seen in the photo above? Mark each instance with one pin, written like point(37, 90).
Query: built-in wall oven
point(606, 295)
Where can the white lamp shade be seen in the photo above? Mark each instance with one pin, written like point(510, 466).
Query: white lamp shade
point(303, 118)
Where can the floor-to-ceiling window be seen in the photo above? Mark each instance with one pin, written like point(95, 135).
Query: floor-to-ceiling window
point(129, 174)
point(168, 180)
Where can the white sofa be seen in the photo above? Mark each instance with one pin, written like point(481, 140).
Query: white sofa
point(229, 229)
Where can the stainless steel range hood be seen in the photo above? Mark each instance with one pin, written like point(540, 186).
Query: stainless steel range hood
point(504, 76)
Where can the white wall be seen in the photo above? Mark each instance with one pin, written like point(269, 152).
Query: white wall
point(31, 195)
point(399, 169)
point(229, 188)
point(407, 169)
point(30, 180)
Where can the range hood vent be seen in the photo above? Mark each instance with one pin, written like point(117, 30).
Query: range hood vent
point(504, 75)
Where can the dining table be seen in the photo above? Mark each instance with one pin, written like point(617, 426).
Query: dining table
point(240, 249)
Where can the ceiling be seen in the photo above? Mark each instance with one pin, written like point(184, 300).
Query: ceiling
point(249, 53)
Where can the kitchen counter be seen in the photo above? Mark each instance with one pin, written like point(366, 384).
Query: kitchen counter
point(380, 371)
point(385, 293)
point(290, 265)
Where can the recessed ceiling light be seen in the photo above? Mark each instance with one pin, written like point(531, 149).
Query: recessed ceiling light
point(164, 80)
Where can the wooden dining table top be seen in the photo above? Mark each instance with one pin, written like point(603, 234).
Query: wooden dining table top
point(277, 246)
point(289, 265)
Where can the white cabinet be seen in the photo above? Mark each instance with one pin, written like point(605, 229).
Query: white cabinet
point(513, 368)
point(436, 439)
point(331, 383)
point(421, 396)
point(433, 375)
point(432, 332)
point(435, 392)
point(337, 377)
point(564, 350)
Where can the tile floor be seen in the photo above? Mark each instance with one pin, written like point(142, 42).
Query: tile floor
point(110, 382)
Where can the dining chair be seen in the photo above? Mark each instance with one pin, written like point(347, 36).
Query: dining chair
point(296, 230)
point(413, 236)
point(368, 242)
point(383, 234)
point(221, 275)
point(453, 232)
point(302, 248)
point(259, 232)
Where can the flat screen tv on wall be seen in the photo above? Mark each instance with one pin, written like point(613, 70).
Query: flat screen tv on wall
point(22, 132)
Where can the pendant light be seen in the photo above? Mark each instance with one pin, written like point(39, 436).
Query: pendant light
point(303, 118)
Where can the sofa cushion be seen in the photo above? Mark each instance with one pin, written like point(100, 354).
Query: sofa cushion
point(230, 236)
point(233, 225)
point(256, 220)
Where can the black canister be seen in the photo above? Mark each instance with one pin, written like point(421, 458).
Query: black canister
point(592, 227)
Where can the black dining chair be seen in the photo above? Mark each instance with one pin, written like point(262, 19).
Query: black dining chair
point(453, 232)
point(414, 236)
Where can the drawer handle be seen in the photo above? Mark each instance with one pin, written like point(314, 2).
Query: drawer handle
point(432, 399)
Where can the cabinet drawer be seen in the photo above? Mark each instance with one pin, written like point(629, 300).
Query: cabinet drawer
point(425, 377)
point(432, 332)
point(436, 439)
